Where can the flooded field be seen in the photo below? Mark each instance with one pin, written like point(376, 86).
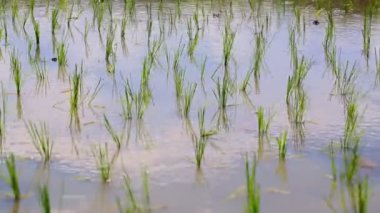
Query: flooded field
point(189, 106)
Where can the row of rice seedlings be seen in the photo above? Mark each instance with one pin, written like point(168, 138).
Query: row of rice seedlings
point(16, 71)
point(282, 142)
point(12, 180)
point(188, 95)
point(40, 136)
point(253, 189)
point(132, 203)
point(263, 123)
point(117, 139)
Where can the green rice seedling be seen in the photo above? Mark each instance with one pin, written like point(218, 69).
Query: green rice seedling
point(32, 4)
point(203, 132)
point(179, 78)
point(117, 139)
point(16, 71)
point(348, 5)
point(203, 69)
point(282, 141)
point(132, 205)
point(123, 27)
point(223, 90)
point(54, 21)
point(377, 60)
point(300, 107)
point(293, 47)
point(345, 79)
point(246, 80)
point(2, 116)
point(12, 179)
point(228, 41)
point(363, 198)
point(262, 122)
point(110, 45)
point(127, 101)
point(132, 202)
point(15, 9)
point(103, 162)
point(289, 90)
point(193, 42)
point(76, 89)
point(200, 142)
point(62, 55)
point(259, 54)
point(188, 95)
point(351, 125)
point(44, 198)
point(96, 91)
point(40, 136)
point(330, 30)
point(36, 27)
point(253, 189)
point(366, 32)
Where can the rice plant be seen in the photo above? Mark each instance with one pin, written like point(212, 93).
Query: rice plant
point(54, 21)
point(188, 95)
point(351, 125)
point(223, 90)
point(16, 71)
point(40, 136)
point(262, 122)
point(36, 27)
point(366, 32)
point(228, 41)
point(179, 78)
point(377, 60)
point(103, 162)
point(117, 139)
point(12, 179)
point(362, 198)
point(259, 54)
point(61, 55)
point(132, 202)
point(2, 116)
point(201, 141)
point(109, 45)
point(253, 189)
point(44, 198)
point(75, 92)
point(282, 141)
point(127, 101)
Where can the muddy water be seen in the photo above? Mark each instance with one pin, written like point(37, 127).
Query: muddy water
point(160, 143)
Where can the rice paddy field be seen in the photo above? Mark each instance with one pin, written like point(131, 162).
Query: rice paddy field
point(189, 106)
